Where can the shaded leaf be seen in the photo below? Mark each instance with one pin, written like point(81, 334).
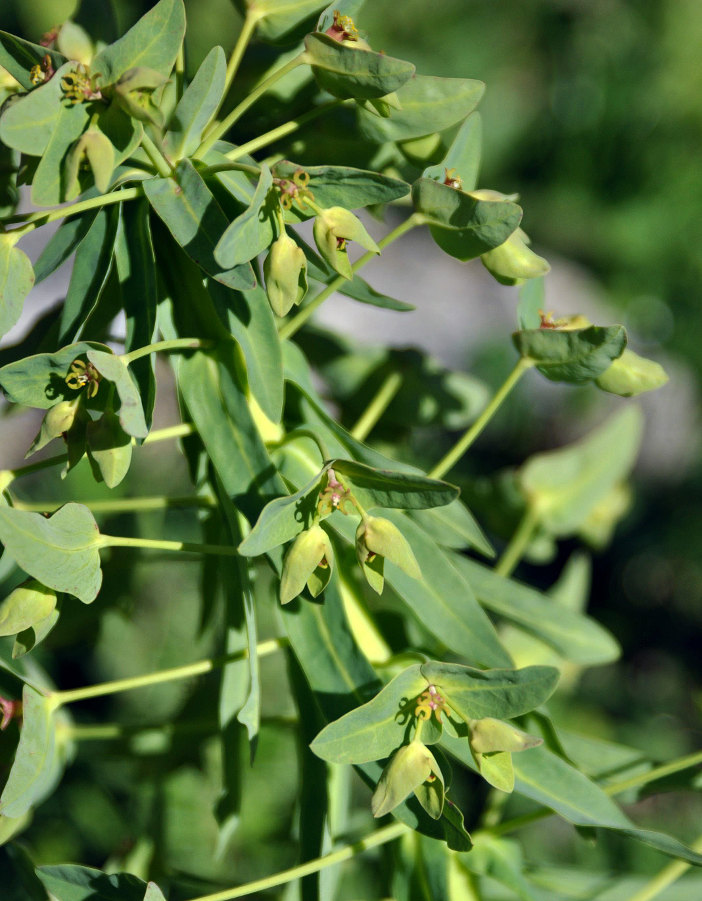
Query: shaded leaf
point(49, 186)
point(385, 488)
point(39, 380)
point(19, 57)
point(576, 355)
point(115, 370)
point(352, 71)
point(72, 883)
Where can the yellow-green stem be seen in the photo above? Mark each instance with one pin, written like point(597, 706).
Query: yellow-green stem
point(281, 131)
point(36, 220)
point(518, 543)
point(292, 325)
point(377, 406)
point(123, 504)
point(187, 671)
point(162, 346)
point(161, 164)
point(247, 29)
point(223, 127)
point(374, 840)
point(157, 544)
point(667, 876)
point(182, 430)
point(461, 446)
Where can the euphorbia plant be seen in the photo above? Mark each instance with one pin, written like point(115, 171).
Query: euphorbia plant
point(189, 231)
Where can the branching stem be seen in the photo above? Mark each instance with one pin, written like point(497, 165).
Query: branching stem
point(43, 217)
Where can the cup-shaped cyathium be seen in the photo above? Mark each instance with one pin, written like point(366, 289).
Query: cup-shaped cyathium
point(333, 229)
point(285, 273)
point(377, 540)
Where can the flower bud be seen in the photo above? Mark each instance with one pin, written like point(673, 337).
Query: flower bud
point(377, 539)
point(332, 229)
point(488, 734)
point(57, 422)
point(408, 768)
point(512, 262)
point(285, 272)
point(308, 562)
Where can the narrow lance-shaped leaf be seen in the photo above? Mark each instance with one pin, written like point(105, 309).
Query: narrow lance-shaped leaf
point(153, 43)
point(196, 106)
point(196, 221)
point(384, 488)
point(49, 183)
point(61, 552)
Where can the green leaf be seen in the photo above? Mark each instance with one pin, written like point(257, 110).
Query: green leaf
point(532, 301)
point(464, 226)
point(49, 184)
point(109, 448)
point(427, 104)
point(135, 282)
point(630, 375)
point(153, 43)
point(91, 267)
point(347, 72)
point(196, 221)
point(19, 57)
point(463, 156)
point(63, 242)
point(72, 883)
point(385, 488)
point(27, 640)
point(60, 552)
point(196, 106)
point(254, 230)
point(342, 186)
point(443, 600)
point(283, 519)
point(122, 131)
point(115, 370)
point(573, 635)
point(39, 380)
point(16, 281)
point(29, 122)
point(154, 893)
point(564, 485)
point(454, 526)
point(577, 355)
point(500, 693)
point(28, 604)
point(501, 860)
point(35, 761)
point(497, 769)
point(374, 730)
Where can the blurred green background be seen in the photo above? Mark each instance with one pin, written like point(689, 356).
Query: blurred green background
point(593, 114)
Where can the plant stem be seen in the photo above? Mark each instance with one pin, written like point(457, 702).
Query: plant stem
point(242, 42)
point(292, 325)
point(222, 127)
point(614, 788)
point(182, 430)
point(36, 220)
point(157, 544)
point(162, 346)
point(374, 840)
point(377, 406)
point(229, 167)
point(282, 131)
point(667, 876)
point(60, 698)
point(518, 543)
point(161, 164)
point(462, 445)
point(124, 504)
